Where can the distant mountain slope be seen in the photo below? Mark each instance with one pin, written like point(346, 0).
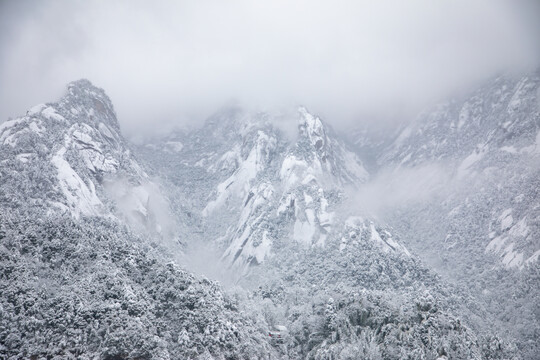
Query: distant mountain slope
point(275, 205)
point(246, 176)
point(480, 224)
point(490, 143)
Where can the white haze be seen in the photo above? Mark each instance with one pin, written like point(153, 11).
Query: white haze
point(397, 188)
point(143, 207)
point(168, 63)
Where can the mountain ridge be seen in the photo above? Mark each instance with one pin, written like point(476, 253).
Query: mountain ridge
point(270, 205)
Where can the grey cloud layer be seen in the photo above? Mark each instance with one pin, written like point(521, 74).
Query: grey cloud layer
point(177, 62)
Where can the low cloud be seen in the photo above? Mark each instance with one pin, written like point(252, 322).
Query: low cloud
point(397, 188)
point(173, 63)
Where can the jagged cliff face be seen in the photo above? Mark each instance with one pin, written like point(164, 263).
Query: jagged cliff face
point(258, 188)
point(70, 157)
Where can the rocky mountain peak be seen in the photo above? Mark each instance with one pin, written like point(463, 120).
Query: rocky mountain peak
point(91, 103)
point(312, 127)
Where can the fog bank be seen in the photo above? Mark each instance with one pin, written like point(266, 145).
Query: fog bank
point(168, 63)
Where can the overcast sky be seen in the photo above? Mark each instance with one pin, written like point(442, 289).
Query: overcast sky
point(164, 62)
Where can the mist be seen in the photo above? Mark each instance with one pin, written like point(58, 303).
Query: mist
point(172, 64)
point(398, 188)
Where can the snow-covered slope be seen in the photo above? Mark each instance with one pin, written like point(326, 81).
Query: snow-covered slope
point(275, 206)
point(259, 185)
point(478, 224)
point(69, 157)
point(489, 141)
point(86, 272)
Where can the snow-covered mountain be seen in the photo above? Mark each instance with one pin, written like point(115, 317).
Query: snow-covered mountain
point(479, 226)
point(276, 207)
point(85, 250)
point(70, 157)
point(86, 222)
point(489, 142)
point(261, 187)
